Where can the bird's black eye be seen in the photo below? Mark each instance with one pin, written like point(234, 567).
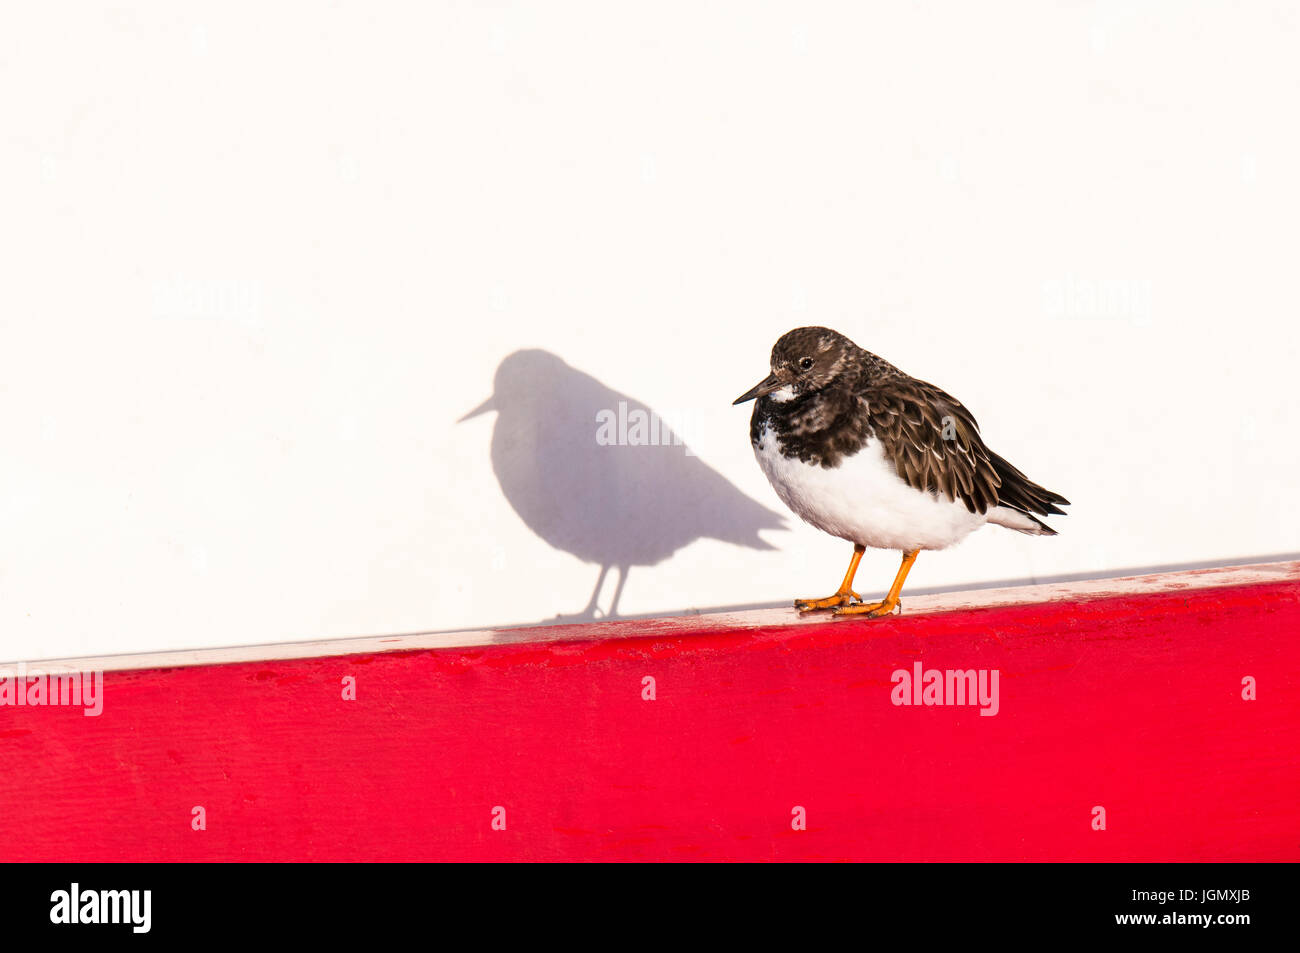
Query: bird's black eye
point(806, 363)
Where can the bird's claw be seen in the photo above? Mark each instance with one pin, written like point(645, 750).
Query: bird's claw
point(873, 610)
point(836, 601)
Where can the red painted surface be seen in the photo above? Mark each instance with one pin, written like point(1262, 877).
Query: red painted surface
point(1133, 704)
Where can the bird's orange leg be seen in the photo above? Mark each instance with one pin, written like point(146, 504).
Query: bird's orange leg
point(873, 610)
point(844, 595)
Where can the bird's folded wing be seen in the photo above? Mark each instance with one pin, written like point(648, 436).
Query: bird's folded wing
point(933, 441)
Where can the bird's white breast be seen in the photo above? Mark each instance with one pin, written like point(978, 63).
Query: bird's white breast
point(864, 500)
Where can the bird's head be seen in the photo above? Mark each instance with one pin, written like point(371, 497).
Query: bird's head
point(804, 361)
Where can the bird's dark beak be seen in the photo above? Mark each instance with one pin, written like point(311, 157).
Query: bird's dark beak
point(483, 408)
point(761, 389)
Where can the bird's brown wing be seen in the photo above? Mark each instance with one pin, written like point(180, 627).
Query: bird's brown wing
point(933, 441)
point(935, 445)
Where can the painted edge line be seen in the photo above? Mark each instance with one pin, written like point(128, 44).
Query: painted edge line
point(1154, 584)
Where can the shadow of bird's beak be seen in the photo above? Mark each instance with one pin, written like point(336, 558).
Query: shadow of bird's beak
point(483, 408)
point(761, 389)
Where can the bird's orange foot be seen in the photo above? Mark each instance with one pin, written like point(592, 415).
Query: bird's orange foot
point(872, 610)
point(840, 599)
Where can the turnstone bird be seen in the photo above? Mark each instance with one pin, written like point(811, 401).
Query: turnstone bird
point(869, 454)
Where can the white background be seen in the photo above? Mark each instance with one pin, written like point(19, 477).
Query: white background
point(257, 259)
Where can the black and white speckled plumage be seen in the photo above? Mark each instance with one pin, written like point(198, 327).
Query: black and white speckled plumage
point(827, 399)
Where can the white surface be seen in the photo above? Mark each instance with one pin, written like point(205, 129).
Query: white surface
point(257, 259)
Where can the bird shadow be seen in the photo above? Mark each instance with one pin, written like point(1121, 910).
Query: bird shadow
point(600, 475)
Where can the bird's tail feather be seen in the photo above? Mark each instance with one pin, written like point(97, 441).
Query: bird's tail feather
point(1020, 521)
point(1020, 498)
point(1019, 492)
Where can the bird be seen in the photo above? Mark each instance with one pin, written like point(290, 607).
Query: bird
point(867, 453)
point(602, 476)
